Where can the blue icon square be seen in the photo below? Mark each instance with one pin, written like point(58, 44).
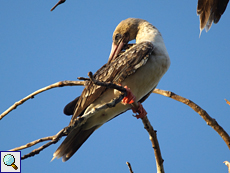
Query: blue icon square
point(10, 161)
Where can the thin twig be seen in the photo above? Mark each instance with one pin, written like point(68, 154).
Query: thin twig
point(228, 102)
point(31, 96)
point(155, 144)
point(33, 143)
point(56, 138)
point(209, 120)
point(59, 2)
point(153, 139)
point(107, 84)
point(130, 168)
point(228, 165)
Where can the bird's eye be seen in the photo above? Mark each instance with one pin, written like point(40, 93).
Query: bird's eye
point(117, 37)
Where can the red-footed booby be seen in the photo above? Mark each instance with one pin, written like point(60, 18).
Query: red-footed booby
point(210, 11)
point(139, 69)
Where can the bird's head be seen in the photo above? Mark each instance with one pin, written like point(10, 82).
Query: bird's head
point(125, 31)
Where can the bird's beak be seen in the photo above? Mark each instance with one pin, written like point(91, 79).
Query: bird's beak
point(115, 50)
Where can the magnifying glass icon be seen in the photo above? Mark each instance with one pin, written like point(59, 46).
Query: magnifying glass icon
point(9, 160)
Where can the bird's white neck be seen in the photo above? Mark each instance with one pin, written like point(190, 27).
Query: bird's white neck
point(147, 32)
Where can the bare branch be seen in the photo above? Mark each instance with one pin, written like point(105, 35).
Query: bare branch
point(209, 120)
point(79, 121)
point(59, 2)
point(107, 84)
point(55, 139)
point(130, 168)
point(31, 96)
point(33, 143)
point(153, 139)
point(228, 102)
point(228, 165)
point(155, 144)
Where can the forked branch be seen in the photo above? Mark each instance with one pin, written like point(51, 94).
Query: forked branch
point(209, 120)
point(31, 96)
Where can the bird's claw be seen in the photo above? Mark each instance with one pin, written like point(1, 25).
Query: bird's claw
point(130, 98)
point(140, 112)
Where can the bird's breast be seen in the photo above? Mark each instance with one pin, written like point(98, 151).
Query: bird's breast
point(148, 76)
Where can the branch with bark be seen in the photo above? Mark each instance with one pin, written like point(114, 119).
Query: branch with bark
point(152, 133)
point(208, 119)
point(58, 3)
point(31, 96)
point(129, 166)
point(81, 120)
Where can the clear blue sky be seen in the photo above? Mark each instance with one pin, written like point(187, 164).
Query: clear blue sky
point(39, 47)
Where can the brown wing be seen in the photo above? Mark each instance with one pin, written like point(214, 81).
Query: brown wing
point(116, 71)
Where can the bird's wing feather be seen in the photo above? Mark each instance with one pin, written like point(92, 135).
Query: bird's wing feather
point(116, 71)
point(210, 11)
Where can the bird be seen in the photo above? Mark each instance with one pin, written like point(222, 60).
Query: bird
point(210, 11)
point(138, 69)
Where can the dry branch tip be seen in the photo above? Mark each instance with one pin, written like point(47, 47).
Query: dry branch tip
point(58, 3)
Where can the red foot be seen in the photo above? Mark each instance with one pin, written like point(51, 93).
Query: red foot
point(130, 98)
point(141, 113)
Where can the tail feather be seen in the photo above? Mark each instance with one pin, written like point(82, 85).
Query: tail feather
point(72, 143)
point(210, 11)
